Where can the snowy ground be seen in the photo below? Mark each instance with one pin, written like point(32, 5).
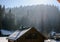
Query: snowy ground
point(3, 39)
point(51, 40)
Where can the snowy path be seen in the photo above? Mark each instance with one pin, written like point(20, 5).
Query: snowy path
point(3, 39)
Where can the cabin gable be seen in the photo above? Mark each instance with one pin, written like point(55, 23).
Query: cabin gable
point(31, 36)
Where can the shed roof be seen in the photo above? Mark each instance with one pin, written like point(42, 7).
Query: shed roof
point(18, 34)
point(5, 32)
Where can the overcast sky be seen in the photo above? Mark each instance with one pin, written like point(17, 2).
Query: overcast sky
point(14, 3)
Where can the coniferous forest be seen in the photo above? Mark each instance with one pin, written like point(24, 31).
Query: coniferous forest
point(44, 18)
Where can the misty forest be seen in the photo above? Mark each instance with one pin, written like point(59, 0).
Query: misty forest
point(44, 18)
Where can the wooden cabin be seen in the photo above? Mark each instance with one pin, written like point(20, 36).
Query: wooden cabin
point(27, 35)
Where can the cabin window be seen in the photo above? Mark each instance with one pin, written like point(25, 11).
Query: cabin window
point(31, 36)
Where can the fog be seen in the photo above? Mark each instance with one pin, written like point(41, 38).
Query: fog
point(43, 17)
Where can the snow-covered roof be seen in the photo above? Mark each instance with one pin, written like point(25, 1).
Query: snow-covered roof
point(52, 33)
point(18, 34)
point(5, 32)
